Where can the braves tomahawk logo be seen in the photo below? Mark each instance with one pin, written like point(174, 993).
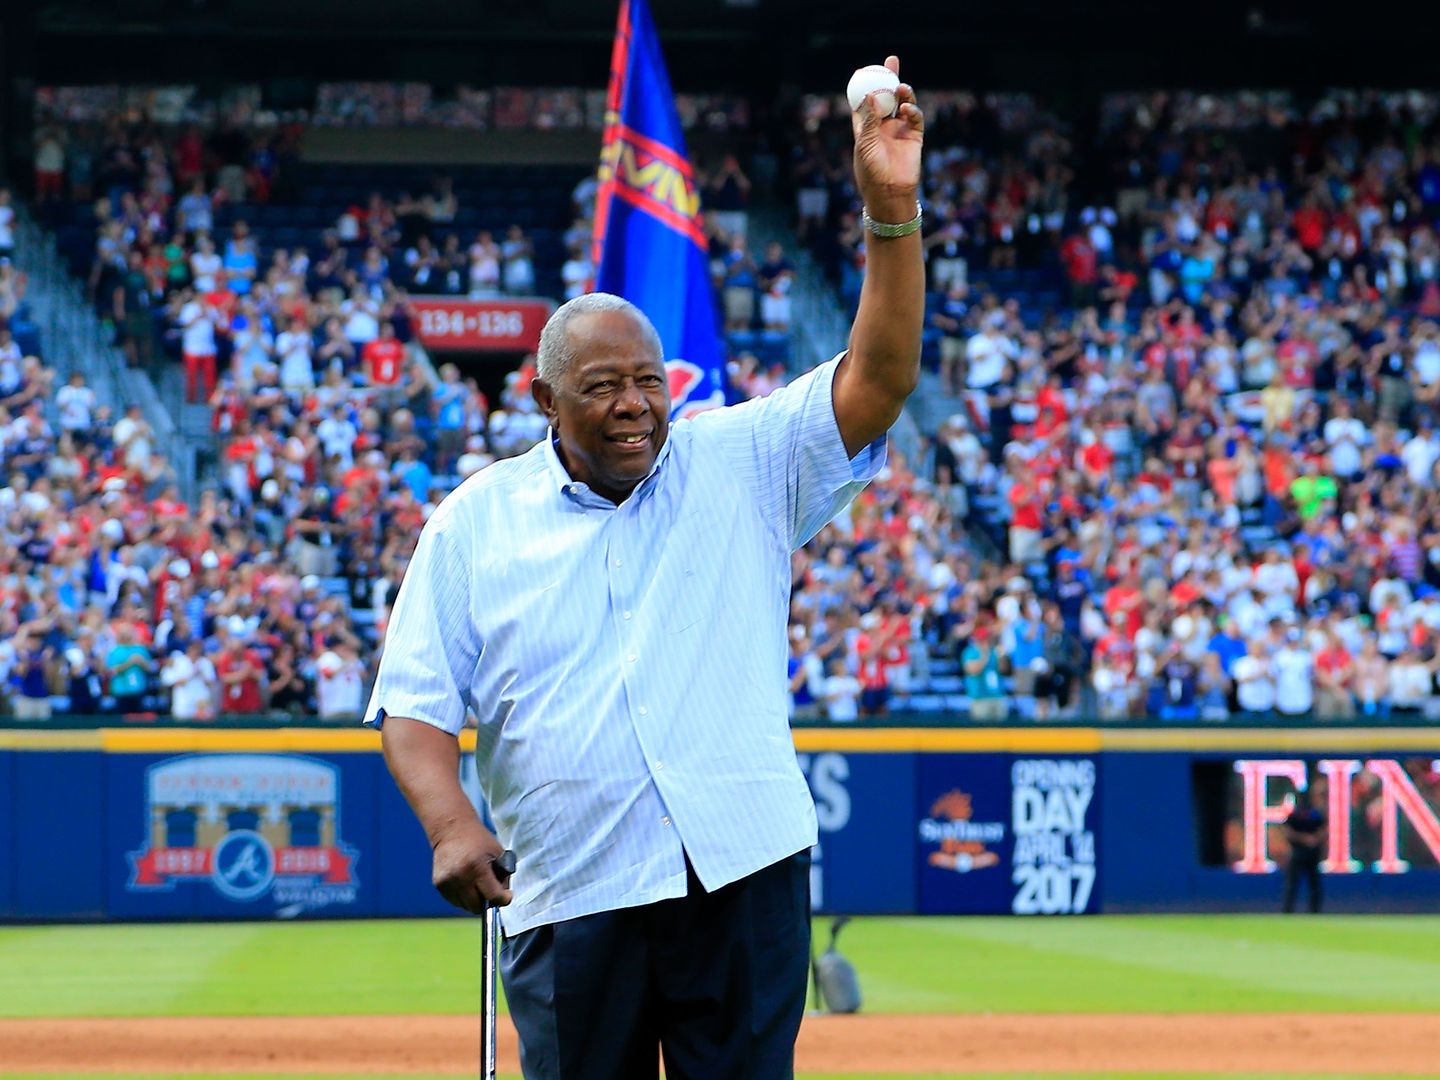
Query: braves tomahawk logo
point(687, 390)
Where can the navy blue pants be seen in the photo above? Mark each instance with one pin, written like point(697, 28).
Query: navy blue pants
point(715, 982)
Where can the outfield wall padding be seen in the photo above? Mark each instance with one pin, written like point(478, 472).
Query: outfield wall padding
point(304, 823)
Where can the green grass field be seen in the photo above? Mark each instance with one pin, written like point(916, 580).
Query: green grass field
point(1153, 964)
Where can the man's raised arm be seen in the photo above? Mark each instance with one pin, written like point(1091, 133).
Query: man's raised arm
point(882, 367)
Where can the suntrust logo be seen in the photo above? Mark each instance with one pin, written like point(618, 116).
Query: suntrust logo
point(962, 844)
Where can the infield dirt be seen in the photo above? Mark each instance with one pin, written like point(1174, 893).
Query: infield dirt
point(1300, 1044)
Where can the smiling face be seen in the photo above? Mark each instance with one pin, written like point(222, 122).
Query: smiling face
point(611, 407)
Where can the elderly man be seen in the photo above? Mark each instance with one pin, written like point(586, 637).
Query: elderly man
point(611, 605)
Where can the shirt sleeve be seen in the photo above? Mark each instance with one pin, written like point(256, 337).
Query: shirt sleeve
point(431, 650)
point(786, 447)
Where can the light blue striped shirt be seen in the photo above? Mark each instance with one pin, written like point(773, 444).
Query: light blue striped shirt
point(627, 663)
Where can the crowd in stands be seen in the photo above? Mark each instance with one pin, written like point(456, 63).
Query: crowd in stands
point(1190, 472)
point(1208, 469)
point(116, 596)
point(335, 438)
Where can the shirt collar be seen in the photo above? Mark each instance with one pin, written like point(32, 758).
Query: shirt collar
point(581, 493)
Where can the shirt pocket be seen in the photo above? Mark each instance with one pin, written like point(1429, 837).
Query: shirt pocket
point(686, 609)
point(686, 551)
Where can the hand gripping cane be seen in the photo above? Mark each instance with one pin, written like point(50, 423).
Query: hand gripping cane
point(489, 955)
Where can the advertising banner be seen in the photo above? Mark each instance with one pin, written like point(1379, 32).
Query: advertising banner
point(500, 325)
point(862, 805)
point(309, 824)
point(233, 834)
point(1381, 815)
point(1002, 834)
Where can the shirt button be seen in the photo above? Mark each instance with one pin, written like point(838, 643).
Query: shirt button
point(645, 711)
point(627, 616)
point(632, 658)
point(659, 765)
point(665, 821)
point(618, 563)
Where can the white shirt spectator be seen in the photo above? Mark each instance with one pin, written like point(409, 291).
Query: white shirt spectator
point(198, 330)
point(1387, 587)
point(473, 460)
point(1277, 579)
point(576, 275)
point(1352, 634)
point(1425, 610)
point(253, 349)
point(1112, 686)
point(1294, 669)
point(1345, 436)
point(34, 503)
point(1411, 683)
point(296, 370)
point(133, 437)
point(192, 686)
point(584, 195)
point(337, 437)
point(1420, 454)
point(1427, 362)
point(76, 405)
point(1234, 576)
point(339, 685)
point(204, 268)
point(1254, 688)
point(985, 356)
point(10, 377)
point(969, 455)
point(1251, 617)
point(361, 325)
point(842, 696)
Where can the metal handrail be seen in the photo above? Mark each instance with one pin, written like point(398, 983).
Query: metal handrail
point(75, 340)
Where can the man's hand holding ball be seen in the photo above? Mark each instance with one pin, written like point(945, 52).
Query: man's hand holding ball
point(889, 130)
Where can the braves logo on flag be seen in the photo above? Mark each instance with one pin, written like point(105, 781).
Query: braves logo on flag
point(649, 243)
point(686, 382)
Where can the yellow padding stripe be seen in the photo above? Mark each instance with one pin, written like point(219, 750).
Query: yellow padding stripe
point(811, 740)
point(1301, 740)
point(50, 740)
point(355, 740)
point(972, 740)
point(153, 740)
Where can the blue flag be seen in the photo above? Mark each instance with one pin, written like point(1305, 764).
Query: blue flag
point(649, 246)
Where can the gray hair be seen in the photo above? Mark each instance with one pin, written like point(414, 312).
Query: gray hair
point(557, 351)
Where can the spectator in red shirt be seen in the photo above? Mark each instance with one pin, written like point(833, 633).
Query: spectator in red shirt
point(1334, 673)
point(1081, 267)
point(1125, 598)
point(384, 357)
point(1310, 223)
point(240, 669)
point(1096, 457)
point(1026, 520)
point(874, 680)
point(895, 652)
point(1115, 646)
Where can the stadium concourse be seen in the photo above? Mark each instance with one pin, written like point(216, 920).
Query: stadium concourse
point(1188, 472)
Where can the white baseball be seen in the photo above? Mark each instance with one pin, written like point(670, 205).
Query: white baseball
point(868, 79)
